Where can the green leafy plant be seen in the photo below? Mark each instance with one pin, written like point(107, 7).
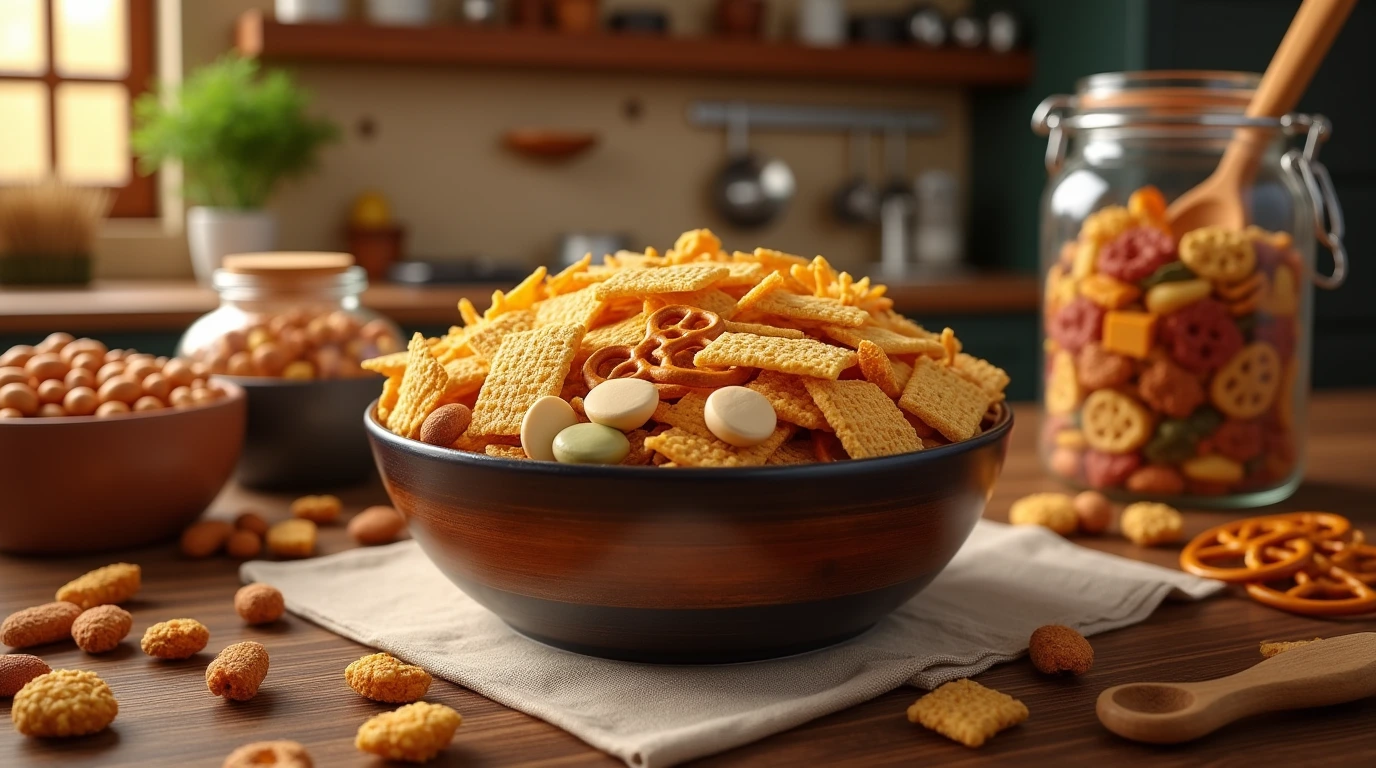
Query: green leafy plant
point(236, 132)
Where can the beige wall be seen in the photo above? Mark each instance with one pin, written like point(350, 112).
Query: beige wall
point(436, 152)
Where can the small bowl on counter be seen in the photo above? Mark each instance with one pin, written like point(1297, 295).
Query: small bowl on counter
point(77, 484)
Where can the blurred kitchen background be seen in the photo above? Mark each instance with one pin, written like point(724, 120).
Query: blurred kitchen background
point(474, 140)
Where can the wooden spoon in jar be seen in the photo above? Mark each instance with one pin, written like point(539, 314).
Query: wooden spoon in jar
point(1319, 674)
point(1218, 199)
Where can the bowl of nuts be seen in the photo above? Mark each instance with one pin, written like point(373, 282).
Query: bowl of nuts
point(153, 438)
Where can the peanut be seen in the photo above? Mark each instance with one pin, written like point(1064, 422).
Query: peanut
point(1056, 648)
point(238, 671)
point(376, 525)
point(205, 538)
point(243, 545)
point(251, 521)
point(1094, 510)
point(259, 603)
point(101, 628)
point(17, 669)
point(47, 623)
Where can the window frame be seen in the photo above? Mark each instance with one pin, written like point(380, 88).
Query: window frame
point(137, 199)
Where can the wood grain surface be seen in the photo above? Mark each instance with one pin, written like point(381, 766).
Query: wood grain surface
point(167, 718)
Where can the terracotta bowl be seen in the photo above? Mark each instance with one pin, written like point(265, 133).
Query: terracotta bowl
point(304, 435)
point(82, 484)
point(691, 565)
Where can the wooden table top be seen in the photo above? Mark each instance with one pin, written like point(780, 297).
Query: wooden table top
point(167, 718)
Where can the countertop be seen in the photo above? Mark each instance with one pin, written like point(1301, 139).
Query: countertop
point(120, 305)
point(168, 719)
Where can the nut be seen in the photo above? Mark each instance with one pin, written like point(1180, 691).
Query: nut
point(205, 538)
point(445, 424)
point(243, 545)
point(1156, 480)
point(16, 669)
point(414, 733)
point(317, 509)
point(238, 671)
point(252, 521)
point(1095, 511)
point(282, 754)
point(1147, 523)
point(111, 584)
point(175, 639)
point(101, 628)
point(65, 702)
point(47, 623)
point(382, 677)
point(292, 538)
point(1056, 648)
point(259, 603)
point(376, 525)
point(1052, 510)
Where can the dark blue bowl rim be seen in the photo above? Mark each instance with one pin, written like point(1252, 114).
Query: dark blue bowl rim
point(817, 471)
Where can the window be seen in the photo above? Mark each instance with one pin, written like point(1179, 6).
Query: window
point(69, 70)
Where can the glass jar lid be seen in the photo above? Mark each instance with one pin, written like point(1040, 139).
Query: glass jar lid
point(250, 276)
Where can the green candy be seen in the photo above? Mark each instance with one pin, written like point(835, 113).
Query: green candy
point(590, 444)
point(1174, 272)
point(1173, 443)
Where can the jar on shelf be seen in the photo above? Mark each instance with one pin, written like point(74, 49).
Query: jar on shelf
point(291, 316)
point(1177, 362)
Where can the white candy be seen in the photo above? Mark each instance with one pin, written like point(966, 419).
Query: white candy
point(623, 404)
point(740, 416)
point(549, 416)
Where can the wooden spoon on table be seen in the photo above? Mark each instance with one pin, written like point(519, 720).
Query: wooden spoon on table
point(1320, 674)
point(1218, 199)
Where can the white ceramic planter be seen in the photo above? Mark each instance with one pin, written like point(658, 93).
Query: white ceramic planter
point(213, 233)
point(822, 23)
point(307, 11)
point(400, 13)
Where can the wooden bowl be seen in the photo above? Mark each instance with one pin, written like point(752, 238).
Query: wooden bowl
point(691, 565)
point(84, 484)
point(304, 435)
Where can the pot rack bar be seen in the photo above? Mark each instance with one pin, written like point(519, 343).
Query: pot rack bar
point(790, 117)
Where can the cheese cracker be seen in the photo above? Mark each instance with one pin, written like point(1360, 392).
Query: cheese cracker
point(865, 419)
point(580, 307)
point(967, 712)
point(760, 329)
point(528, 366)
point(677, 279)
point(422, 386)
point(485, 337)
point(811, 308)
point(891, 342)
point(804, 357)
point(944, 399)
point(790, 398)
point(689, 450)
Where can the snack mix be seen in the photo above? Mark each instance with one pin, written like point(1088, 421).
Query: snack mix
point(296, 344)
point(695, 357)
point(1171, 364)
point(62, 376)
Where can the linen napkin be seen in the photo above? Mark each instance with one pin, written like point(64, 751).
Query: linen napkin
point(1005, 582)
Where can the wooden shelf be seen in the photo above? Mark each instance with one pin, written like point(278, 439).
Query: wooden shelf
point(453, 45)
point(172, 305)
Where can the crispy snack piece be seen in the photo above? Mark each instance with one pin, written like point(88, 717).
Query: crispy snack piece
point(714, 300)
point(744, 274)
point(466, 375)
point(989, 377)
point(967, 712)
point(1049, 510)
point(292, 538)
point(687, 449)
point(877, 369)
point(387, 365)
point(40, 624)
point(1057, 649)
point(529, 366)
point(108, 585)
point(422, 386)
point(505, 451)
point(804, 357)
point(813, 309)
point(581, 307)
point(864, 418)
point(677, 279)
point(623, 333)
point(317, 509)
point(793, 452)
point(947, 401)
point(760, 329)
point(102, 628)
point(383, 677)
point(1147, 523)
point(62, 703)
point(259, 603)
point(1270, 648)
point(891, 342)
point(414, 733)
point(17, 669)
point(790, 398)
point(175, 639)
point(275, 754)
point(238, 670)
point(387, 401)
point(485, 337)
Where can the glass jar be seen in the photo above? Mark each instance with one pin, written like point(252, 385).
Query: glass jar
point(290, 316)
point(1177, 363)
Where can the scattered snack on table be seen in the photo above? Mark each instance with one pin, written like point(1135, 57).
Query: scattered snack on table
point(1176, 355)
point(320, 510)
point(377, 525)
point(205, 538)
point(1056, 649)
point(237, 671)
point(414, 733)
point(39, 625)
point(81, 377)
point(967, 712)
point(101, 628)
point(243, 545)
point(62, 703)
point(382, 677)
point(1270, 648)
point(259, 603)
point(292, 538)
point(251, 521)
point(16, 669)
point(591, 357)
point(1050, 510)
point(111, 584)
point(1094, 510)
point(274, 754)
point(1148, 524)
point(175, 639)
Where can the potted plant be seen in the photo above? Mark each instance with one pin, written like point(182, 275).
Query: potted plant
point(236, 134)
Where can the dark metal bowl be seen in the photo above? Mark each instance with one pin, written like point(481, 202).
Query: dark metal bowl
point(690, 565)
point(305, 435)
